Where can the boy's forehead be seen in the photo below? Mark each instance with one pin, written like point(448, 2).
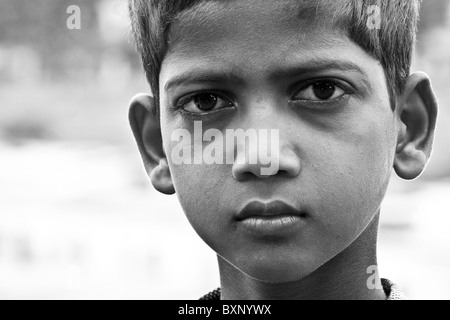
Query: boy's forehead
point(229, 28)
point(307, 13)
point(210, 21)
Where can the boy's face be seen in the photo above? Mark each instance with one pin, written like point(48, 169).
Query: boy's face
point(256, 65)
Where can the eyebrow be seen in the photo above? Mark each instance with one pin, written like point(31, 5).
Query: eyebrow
point(203, 76)
point(212, 76)
point(315, 66)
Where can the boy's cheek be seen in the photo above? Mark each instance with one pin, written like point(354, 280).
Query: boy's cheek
point(200, 184)
point(353, 164)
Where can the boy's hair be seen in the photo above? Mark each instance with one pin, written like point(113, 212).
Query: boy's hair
point(391, 44)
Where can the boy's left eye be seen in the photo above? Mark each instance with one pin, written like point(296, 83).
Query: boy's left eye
point(320, 91)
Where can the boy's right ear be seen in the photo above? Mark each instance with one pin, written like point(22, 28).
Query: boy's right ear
point(146, 128)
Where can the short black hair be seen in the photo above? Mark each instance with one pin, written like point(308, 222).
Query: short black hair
point(392, 44)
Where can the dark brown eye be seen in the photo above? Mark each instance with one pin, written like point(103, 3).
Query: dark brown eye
point(320, 91)
point(324, 90)
point(205, 102)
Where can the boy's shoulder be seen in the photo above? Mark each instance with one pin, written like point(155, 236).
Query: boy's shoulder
point(392, 291)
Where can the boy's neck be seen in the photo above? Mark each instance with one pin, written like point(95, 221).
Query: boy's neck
point(345, 277)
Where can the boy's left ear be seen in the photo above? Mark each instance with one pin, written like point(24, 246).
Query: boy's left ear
point(417, 110)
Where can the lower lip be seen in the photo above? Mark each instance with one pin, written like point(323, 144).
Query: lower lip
point(276, 225)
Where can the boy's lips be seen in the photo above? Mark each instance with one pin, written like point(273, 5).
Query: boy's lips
point(272, 218)
point(274, 209)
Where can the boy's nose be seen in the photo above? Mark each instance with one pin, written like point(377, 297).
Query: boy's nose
point(288, 166)
point(265, 112)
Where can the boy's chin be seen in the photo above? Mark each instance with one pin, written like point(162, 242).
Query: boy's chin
point(276, 276)
point(278, 273)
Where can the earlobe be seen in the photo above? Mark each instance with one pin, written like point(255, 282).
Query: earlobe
point(144, 122)
point(417, 115)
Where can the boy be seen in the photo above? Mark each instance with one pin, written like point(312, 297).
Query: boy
point(333, 78)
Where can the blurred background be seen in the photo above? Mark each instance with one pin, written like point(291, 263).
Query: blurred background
point(78, 218)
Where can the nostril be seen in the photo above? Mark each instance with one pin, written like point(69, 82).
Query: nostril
point(242, 175)
point(287, 166)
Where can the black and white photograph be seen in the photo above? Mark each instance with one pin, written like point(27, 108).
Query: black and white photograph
point(214, 150)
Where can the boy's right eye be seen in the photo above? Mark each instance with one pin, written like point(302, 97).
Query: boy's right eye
point(204, 103)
